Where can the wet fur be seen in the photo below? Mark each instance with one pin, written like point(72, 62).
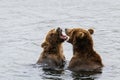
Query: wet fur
point(85, 58)
point(52, 55)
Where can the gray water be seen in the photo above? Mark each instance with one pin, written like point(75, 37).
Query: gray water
point(24, 24)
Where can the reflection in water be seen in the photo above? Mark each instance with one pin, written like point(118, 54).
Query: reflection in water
point(52, 74)
point(58, 75)
point(85, 75)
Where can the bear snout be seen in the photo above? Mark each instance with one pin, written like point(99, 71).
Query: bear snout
point(59, 30)
point(66, 31)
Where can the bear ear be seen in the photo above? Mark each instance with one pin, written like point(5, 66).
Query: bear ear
point(44, 44)
point(91, 31)
point(81, 34)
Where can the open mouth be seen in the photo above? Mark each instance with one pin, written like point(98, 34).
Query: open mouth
point(64, 37)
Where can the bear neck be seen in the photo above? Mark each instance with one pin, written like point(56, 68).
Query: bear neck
point(54, 49)
point(83, 49)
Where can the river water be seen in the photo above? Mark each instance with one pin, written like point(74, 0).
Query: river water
point(24, 24)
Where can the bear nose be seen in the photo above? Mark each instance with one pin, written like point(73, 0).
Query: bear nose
point(65, 29)
point(59, 29)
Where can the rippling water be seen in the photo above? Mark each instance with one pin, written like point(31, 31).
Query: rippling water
point(24, 23)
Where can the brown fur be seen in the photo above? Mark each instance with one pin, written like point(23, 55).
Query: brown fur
point(52, 55)
point(84, 57)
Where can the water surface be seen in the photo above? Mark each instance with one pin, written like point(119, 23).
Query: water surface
point(24, 24)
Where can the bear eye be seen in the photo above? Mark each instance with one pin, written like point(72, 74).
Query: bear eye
point(52, 35)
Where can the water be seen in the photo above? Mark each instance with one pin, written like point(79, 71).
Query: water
point(24, 23)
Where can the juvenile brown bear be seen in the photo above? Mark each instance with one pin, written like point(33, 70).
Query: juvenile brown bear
point(85, 58)
point(52, 55)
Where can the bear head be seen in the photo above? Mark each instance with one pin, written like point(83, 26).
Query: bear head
point(54, 37)
point(79, 37)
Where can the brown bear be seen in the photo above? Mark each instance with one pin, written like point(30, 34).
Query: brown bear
point(85, 58)
point(52, 55)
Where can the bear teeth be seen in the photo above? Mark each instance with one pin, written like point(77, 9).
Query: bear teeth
point(67, 38)
point(63, 37)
